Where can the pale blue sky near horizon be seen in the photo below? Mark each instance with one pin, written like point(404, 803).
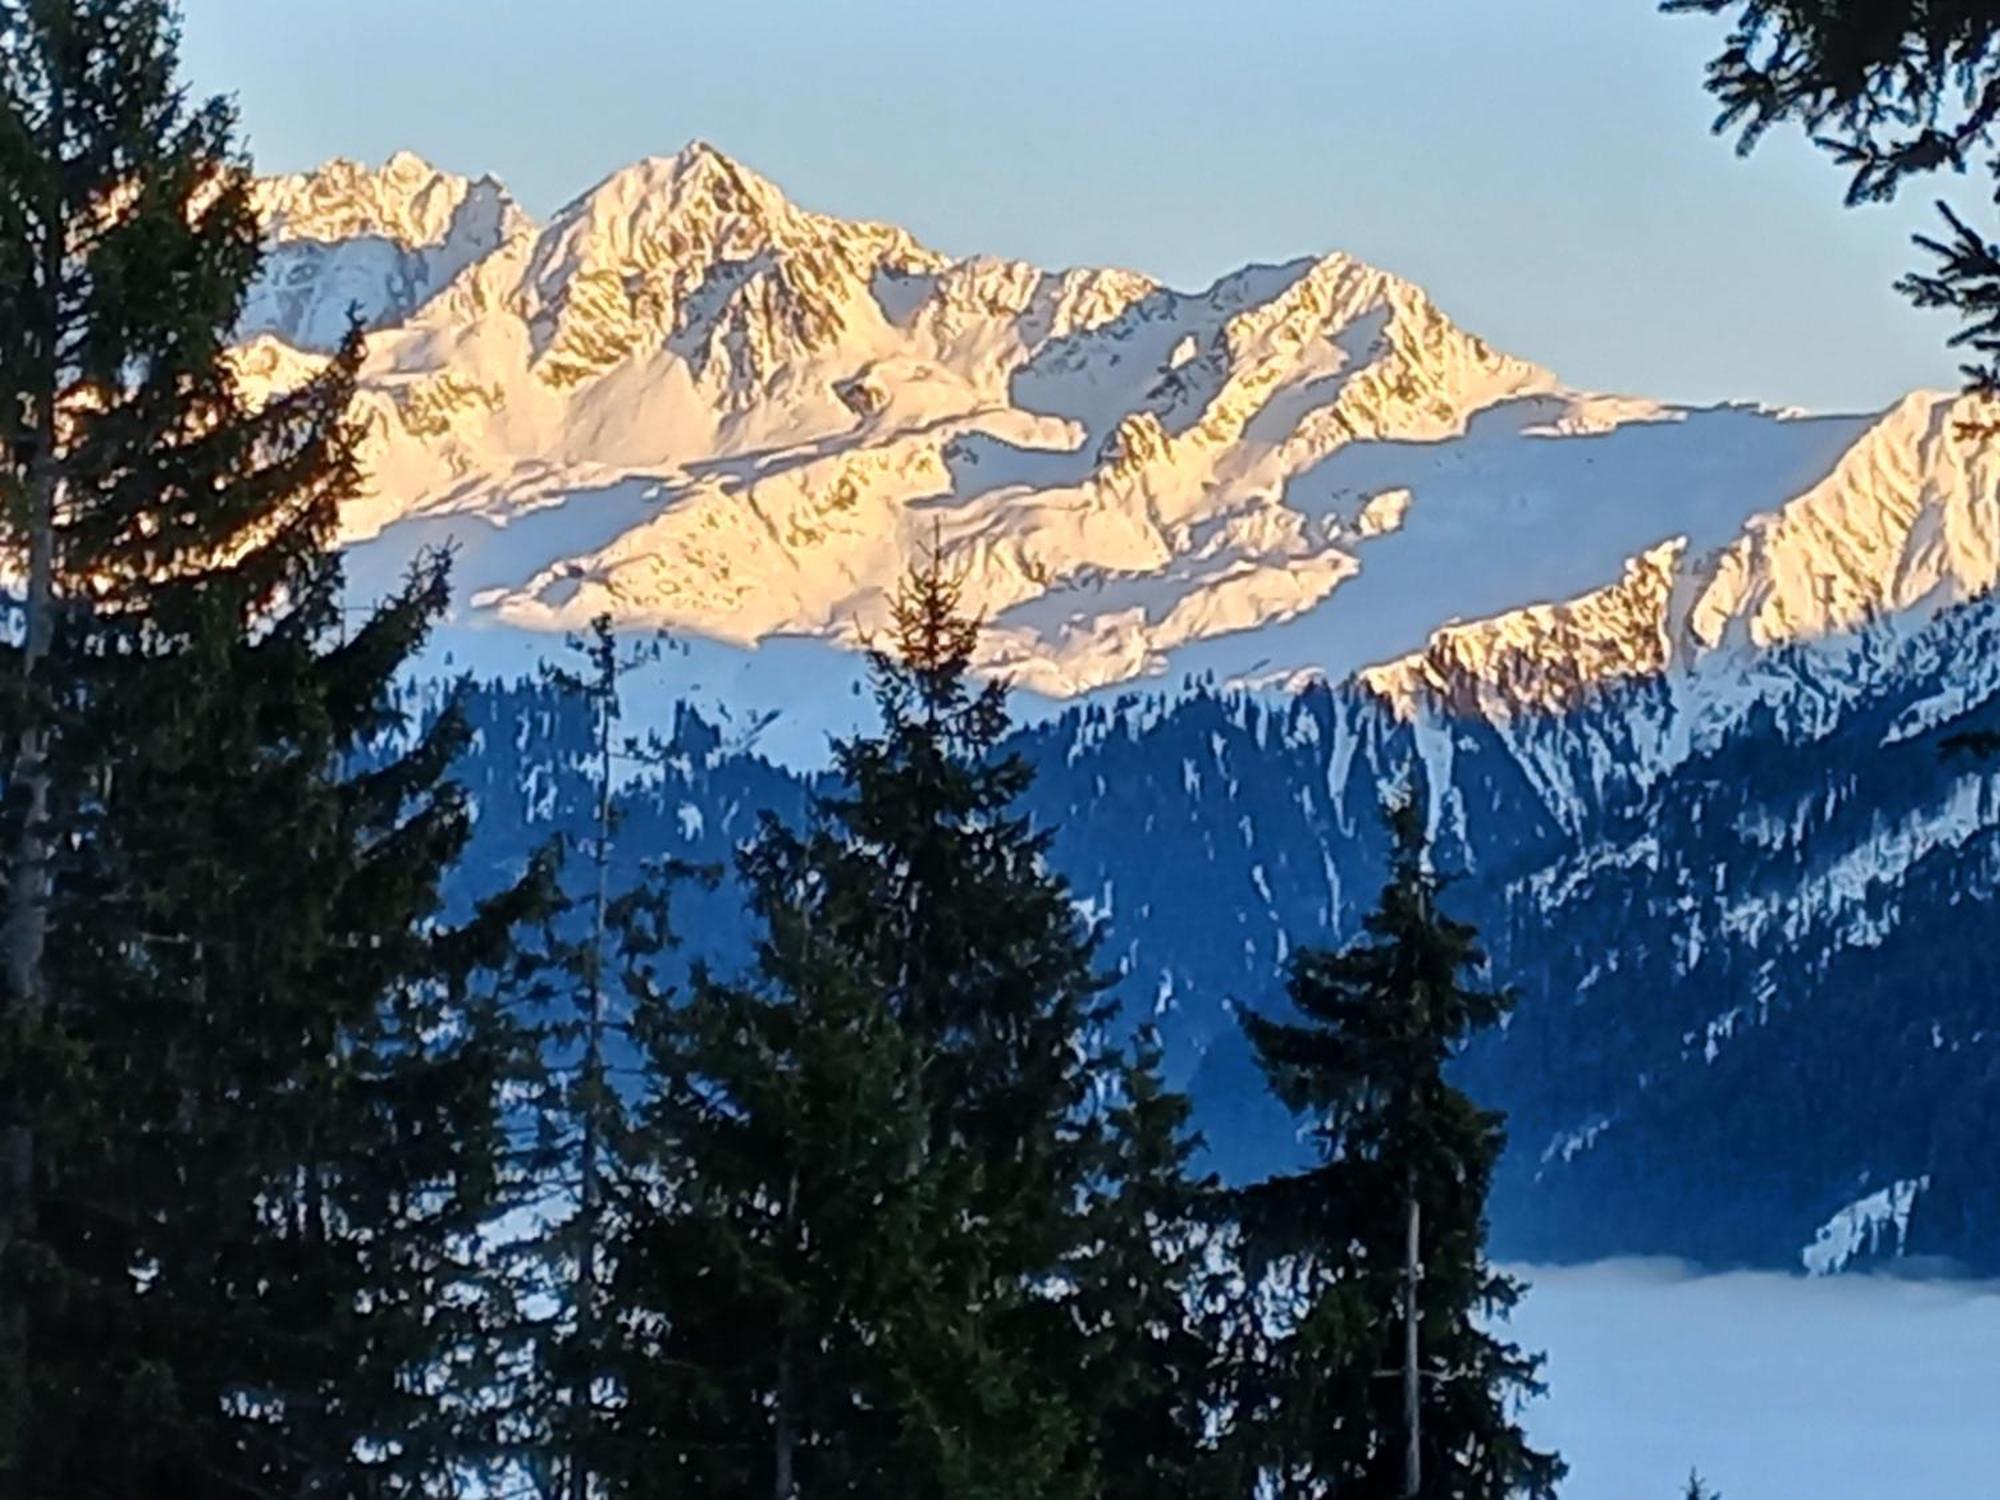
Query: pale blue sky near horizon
point(1544, 167)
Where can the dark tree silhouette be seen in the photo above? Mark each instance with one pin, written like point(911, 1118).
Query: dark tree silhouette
point(252, 1062)
point(1386, 1381)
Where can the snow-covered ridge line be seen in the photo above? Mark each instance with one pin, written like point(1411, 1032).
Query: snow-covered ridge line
point(1908, 521)
point(692, 402)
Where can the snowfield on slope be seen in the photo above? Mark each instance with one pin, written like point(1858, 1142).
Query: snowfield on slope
point(690, 402)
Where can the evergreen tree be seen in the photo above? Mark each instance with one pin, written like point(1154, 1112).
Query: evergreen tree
point(939, 886)
point(1894, 90)
point(890, 1152)
point(1696, 1490)
point(251, 1066)
point(771, 1231)
point(613, 936)
point(589, 1101)
point(1151, 1301)
point(1372, 1375)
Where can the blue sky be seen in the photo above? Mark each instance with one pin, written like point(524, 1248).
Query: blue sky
point(1544, 167)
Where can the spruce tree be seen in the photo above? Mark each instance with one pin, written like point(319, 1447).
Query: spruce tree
point(252, 1067)
point(893, 1151)
point(611, 935)
point(770, 1232)
point(940, 886)
point(588, 1101)
point(1375, 1376)
point(1151, 1301)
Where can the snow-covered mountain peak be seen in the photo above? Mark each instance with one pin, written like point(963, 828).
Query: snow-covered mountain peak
point(406, 200)
point(379, 241)
point(692, 402)
point(697, 190)
point(698, 256)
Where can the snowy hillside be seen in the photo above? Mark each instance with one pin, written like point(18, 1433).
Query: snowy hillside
point(1752, 1028)
point(691, 402)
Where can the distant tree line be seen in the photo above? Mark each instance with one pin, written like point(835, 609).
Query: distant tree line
point(312, 1184)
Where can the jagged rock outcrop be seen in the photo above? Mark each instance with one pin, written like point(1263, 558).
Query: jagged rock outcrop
point(351, 241)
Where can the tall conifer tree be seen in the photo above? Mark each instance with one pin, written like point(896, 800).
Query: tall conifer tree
point(586, 1102)
point(1151, 1303)
point(252, 1073)
point(889, 1150)
point(1378, 1379)
point(769, 1232)
point(614, 927)
point(939, 884)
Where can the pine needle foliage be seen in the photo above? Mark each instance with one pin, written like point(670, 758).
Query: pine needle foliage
point(1893, 90)
point(903, 1152)
point(251, 1065)
point(1362, 1056)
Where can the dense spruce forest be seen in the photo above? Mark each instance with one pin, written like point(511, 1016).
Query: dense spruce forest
point(1743, 986)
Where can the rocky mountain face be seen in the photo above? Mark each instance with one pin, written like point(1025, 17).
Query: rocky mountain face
point(349, 241)
point(1676, 683)
point(690, 402)
point(1906, 520)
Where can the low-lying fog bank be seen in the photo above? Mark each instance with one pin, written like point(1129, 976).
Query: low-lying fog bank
point(1777, 1388)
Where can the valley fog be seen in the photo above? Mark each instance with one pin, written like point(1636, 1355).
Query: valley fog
point(1774, 1387)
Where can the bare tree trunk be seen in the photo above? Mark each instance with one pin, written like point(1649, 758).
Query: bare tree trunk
point(1413, 1265)
point(27, 909)
point(26, 922)
point(588, 1195)
point(785, 1436)
point(27, 888)
point(1413, 1459)
point(17, 1183)
point(27, 892)
point(785, 1440)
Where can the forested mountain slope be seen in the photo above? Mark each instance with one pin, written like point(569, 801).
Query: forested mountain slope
point(1746, 911)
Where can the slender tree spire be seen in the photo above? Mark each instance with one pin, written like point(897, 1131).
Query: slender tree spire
point(622, 933)
point(1381, 1244)
point(600, 690)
